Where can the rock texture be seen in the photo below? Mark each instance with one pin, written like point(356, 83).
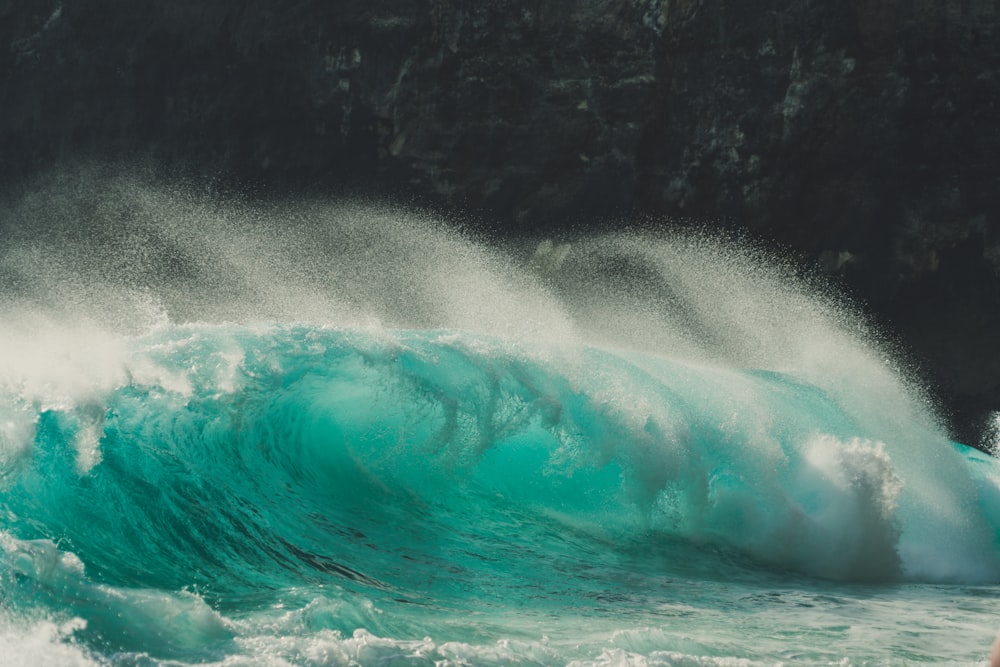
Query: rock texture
point(862, 135)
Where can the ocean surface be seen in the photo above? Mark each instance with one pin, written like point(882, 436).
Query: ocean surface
point(314, 433)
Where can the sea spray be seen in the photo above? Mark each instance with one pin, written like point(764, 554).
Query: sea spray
point(325, 433)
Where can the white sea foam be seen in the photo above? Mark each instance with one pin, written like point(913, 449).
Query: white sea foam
point(26, 643)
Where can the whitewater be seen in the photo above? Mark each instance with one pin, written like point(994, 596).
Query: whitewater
point(344, 433)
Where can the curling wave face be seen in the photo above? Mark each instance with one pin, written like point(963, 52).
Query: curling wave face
point(347, 430)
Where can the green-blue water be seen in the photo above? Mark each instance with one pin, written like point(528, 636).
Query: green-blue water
point(393, 445)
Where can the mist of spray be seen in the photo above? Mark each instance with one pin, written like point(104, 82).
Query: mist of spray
point(92, 262)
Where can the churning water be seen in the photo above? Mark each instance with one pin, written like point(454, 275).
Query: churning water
point(333, 434)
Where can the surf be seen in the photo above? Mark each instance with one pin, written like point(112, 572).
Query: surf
point(351, 426)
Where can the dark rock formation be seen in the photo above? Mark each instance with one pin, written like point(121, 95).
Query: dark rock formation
point(862, 135)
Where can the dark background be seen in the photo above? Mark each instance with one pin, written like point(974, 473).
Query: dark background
point(860, 136)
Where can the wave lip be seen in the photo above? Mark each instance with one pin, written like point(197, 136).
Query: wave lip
point(297, 450)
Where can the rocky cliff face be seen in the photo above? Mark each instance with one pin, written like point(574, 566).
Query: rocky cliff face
point(862, 135)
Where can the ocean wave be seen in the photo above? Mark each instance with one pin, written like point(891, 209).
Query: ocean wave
point(319, 433)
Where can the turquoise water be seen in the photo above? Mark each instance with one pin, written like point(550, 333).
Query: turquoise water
point(334, 435)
